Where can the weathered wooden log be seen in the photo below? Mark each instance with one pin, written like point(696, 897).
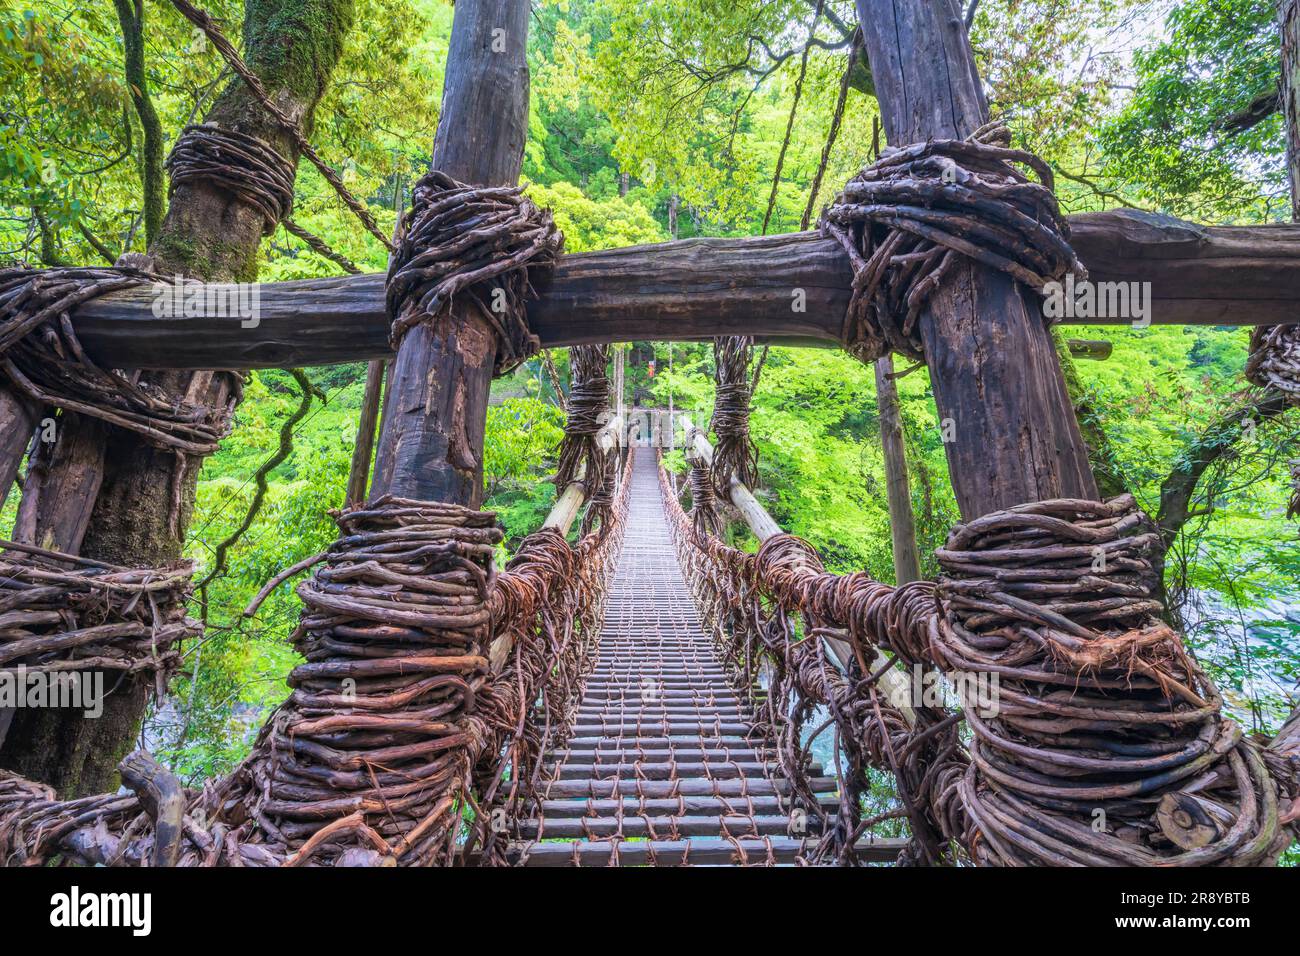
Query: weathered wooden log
point(902, 523)
point(362, 450)
point(696, 289)
point(1009, 428)
point(163, 799)
point(17, 425)
point(1191, 821)
point(435, 408)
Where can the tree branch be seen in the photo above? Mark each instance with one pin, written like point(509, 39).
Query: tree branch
point(1218, 441)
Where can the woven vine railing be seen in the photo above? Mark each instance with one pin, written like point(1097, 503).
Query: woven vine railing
point(430, 689)
point(548, 606)
point(767, 612)
point(1106, 744)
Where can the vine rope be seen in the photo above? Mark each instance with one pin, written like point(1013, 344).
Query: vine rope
point(61, 614)
point(42, 358)
point(1274, 359)
point(909, 218)
point(481, 244)
point(431, 687)
point(1107, 746)
point(204, 21)
point(734, 455)
point(755, 604)
point(237, 162)
point(586, 413)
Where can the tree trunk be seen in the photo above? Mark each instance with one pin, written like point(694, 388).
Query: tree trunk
point(435, 411)
point(1288, 13)
point(210, 234)
point(997, 383)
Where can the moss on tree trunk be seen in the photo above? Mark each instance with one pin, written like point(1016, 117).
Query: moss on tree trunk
point(293, 46)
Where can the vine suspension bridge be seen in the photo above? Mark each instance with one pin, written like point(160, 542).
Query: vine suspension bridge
point(639, 692)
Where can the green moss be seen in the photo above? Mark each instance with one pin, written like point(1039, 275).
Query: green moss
point(216, 261)
point(176, 253)
point(294, 44)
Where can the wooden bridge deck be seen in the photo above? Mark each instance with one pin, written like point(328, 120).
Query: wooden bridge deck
point(661, 767)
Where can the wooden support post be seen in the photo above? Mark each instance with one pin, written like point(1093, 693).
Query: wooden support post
point(1010, 432)
point(569, 502)
point(902, 523)
point(435, 411)
point(359, 470)
point(17, 426)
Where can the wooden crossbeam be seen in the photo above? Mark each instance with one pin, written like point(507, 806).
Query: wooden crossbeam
point(695, 289)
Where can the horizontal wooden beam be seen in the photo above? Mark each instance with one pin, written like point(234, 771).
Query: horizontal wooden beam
point(789, 288)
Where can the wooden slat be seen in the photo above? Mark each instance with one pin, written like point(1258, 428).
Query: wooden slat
point(702, 852)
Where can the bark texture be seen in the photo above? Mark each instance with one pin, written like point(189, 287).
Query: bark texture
point(137, 514)
point(996, 378)
point(435, 410)
point(793, 287)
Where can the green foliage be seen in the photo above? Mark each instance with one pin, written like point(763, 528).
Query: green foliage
point(1169, 141)
point(590, 224)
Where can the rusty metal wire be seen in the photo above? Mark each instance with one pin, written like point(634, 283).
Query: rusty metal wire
point(479, 243)
point(42, 358)
point(909, 217)
point(1108, 746)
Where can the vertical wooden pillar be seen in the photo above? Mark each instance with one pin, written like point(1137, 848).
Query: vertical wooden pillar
point(17, 425)
point(902, 523)
point(996, 378)
point(365, 443)
point(435, 411)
